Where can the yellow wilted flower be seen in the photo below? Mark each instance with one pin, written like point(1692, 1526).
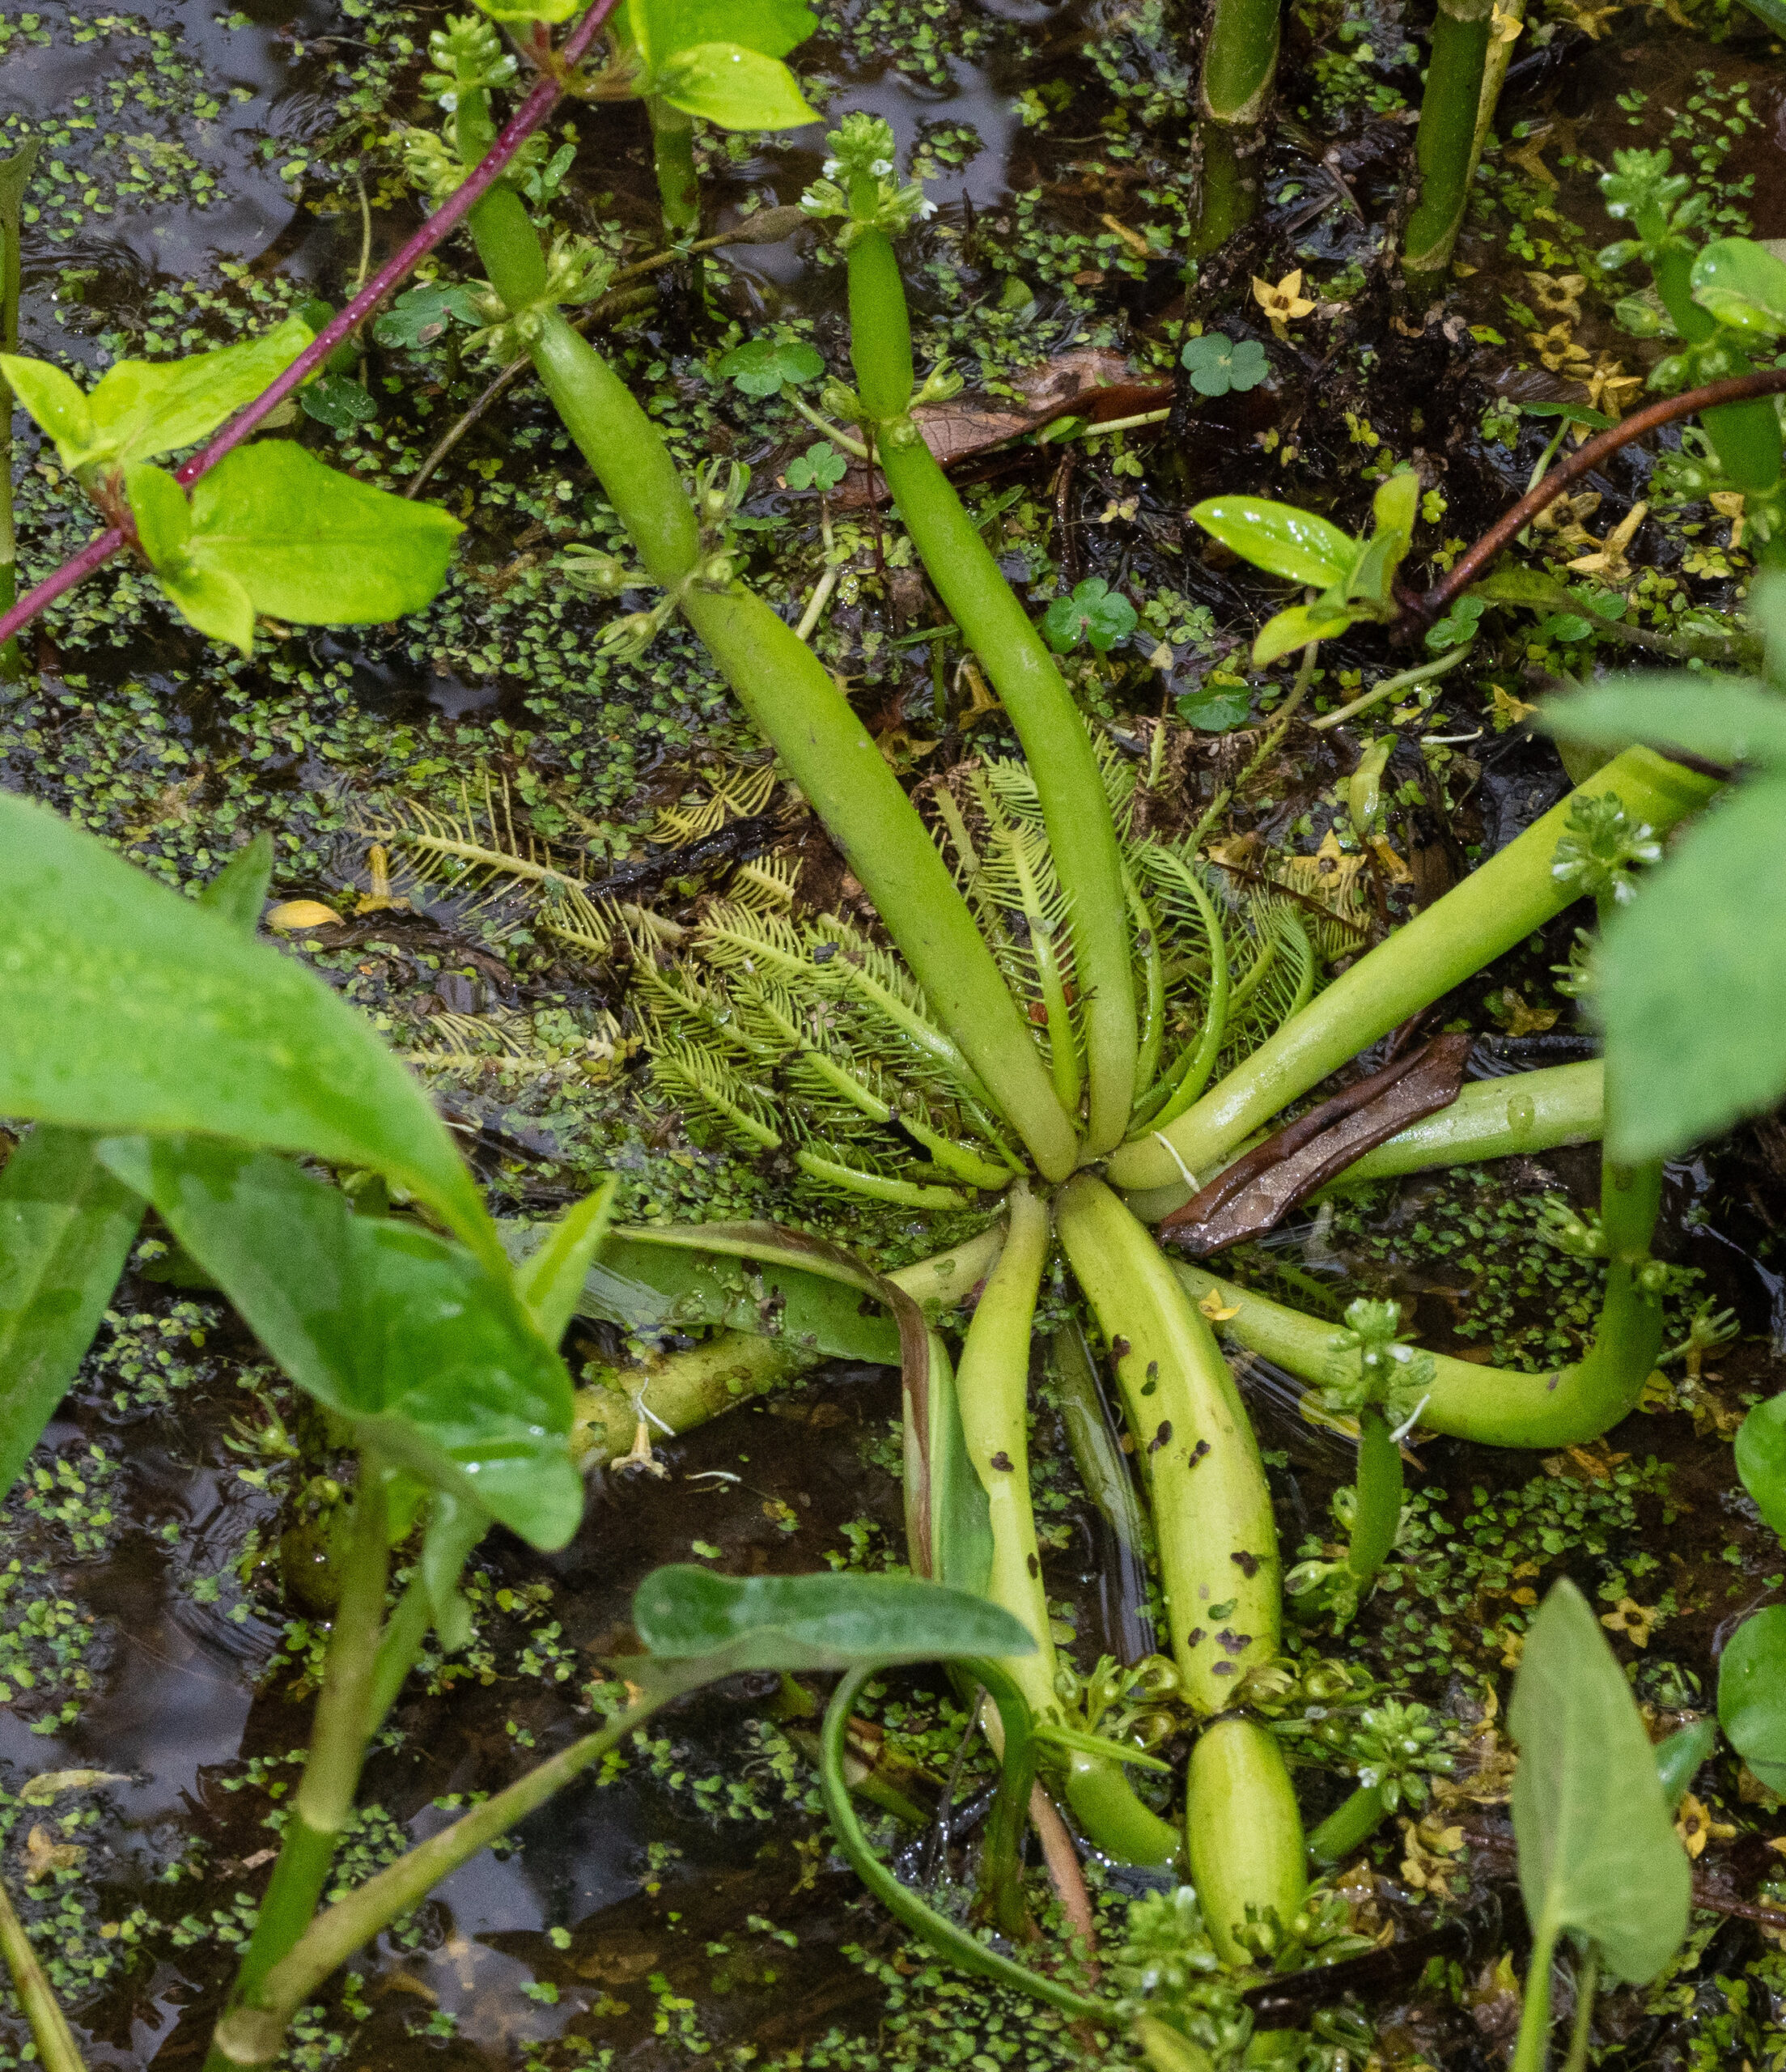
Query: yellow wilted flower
point(1284, 303)
point(301, 914)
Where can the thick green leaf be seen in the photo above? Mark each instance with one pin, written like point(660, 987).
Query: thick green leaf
point(123, 1007)
point(1692, 988)
point(1598, 1850)
point(67, 1227)
point(662, 27)
point(1752, 1695)
point(736, 88)
point(1279, 537)
point(1300, 624)
point(1743, 285)
point(405, 1335)
point(552, 1282)
point(817, 1622)
point(1722, 719)
point(140, 408)
point(1761, 1460)
point(312, 545)
point(1772, 12)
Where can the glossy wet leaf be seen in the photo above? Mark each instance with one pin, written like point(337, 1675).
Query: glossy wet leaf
point(1598, 1850)
point(1217, 708)
point(661, 27)
point(140, 408)
point(1723, 719)
point(1761, 1460)
point(1290, 629)
point(1743, 285)
point(1679, 1759)
point(429, 1357)
point(736, 88)
point(338, 402)
point(423, 314)
point(761, 367)
point(1281, 537)
point(66, 1228)
point(1752, 1694)
point(125, 1007)
point(1706, 933)
point(817, 1622)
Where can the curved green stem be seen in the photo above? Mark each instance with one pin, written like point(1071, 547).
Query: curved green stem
point(946, 1937)
point(1496, 1406)
point(1350, 1825)
point(1494, 908)
point(1081, 837)
point(1532, 2052)
point(1444, 146)
point(1515, 1117)
point(56, 2048)
point(1587, 1984)
point(1746, 436)
point(1378, 1512)
point(1243, 1832)
point(672, 153)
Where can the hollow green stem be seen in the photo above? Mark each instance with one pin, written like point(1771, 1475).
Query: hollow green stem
point(1496, 1406)
point(506, 241)
point(1240, 66)
point(672, 153)
point(1515, 1117)
point(56, 2048)
point(1350, 1825)
point(1211, 1509)
point(1494, 907)
point(947, 1937)
point(1243, 1833)
point(1532, 2049)
point(1377, 1513)
point(324, 1802)
point(1081, 837)
point(1444, 146)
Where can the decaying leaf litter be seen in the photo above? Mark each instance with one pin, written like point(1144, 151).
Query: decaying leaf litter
point(144, 1617)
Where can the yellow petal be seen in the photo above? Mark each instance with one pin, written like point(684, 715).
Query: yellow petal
point(302, 914)
point(1212, 1307)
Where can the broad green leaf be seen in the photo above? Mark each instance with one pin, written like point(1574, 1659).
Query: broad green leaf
point(338, 402)
point(1692, 982)
point(1723, 719)
point(1217, 366)
point(1094, 613)
point(1598, 1850)
point(140, 408)
point(427, 1356)
point(423, 314)
point(125, 1007)
point(736, 88)
point(1374, 570)
point(662, 27)
point(1279, 537)
point(1217, 708)
point(1761, 1460)
point(1743, 285)
point(164, 518)
point(1772, 12)
point(817, 1622)
point(1679, 1758)
point(66, 1228)
point(530, 11)
point(1752, 1694)
point(239, 891)
point(961, 1547)
point(1168, 2049)
point(552, 1284)
point(211, 600)
point(312, 545)
point(1298, 625)
point(1396, 504)
point(761, 367)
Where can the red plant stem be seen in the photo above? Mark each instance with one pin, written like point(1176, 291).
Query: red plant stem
point(530, 116)
point(1421, 610)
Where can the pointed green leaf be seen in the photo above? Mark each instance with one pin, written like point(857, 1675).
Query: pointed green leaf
point(1761, 1460)
point(141, 408)
point(454, 1529)
point(66, 1228)
point(1396, 504)
point(211, 600)
point(552, 1283)
point(1280, 537)
point(125, 1007)
point(1598, 1850)
point(1743, 285)
point(55, 403)
point(15, 173)
point(736, 88)
point(1679, 1759)
point(1752, 1695)
point(1692, 982)
point(1724, 719)
point(817, 1622)
point(662, 27)
point(239, 891)
point(164, 518)
point(429, 1357)
point(1297, 626)
point(309, 543)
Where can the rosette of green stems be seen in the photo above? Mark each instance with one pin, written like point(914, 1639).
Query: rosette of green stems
point(1079, 1019)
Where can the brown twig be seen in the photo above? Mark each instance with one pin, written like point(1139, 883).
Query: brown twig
point(1418, 612)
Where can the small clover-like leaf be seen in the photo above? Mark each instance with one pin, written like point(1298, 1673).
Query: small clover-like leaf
point(761, 367)
point(337, 401)
point(423, 314)
point(1094, 614)
point(820, 467)
point(1217, 365)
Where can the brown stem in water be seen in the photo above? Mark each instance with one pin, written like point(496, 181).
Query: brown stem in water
point(1418, 612)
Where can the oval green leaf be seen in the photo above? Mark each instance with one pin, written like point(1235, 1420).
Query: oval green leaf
point(662, 27)
point(817, 1622)
point(735, 88)
point(406, 1336)
point(1279, 537)
point(1761, 1460)
point(1752, 1695)
point(1743, 285)
point(1297, 626)
point(123, 1007)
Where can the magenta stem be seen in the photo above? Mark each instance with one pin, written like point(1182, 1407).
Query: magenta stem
point(533, 112)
